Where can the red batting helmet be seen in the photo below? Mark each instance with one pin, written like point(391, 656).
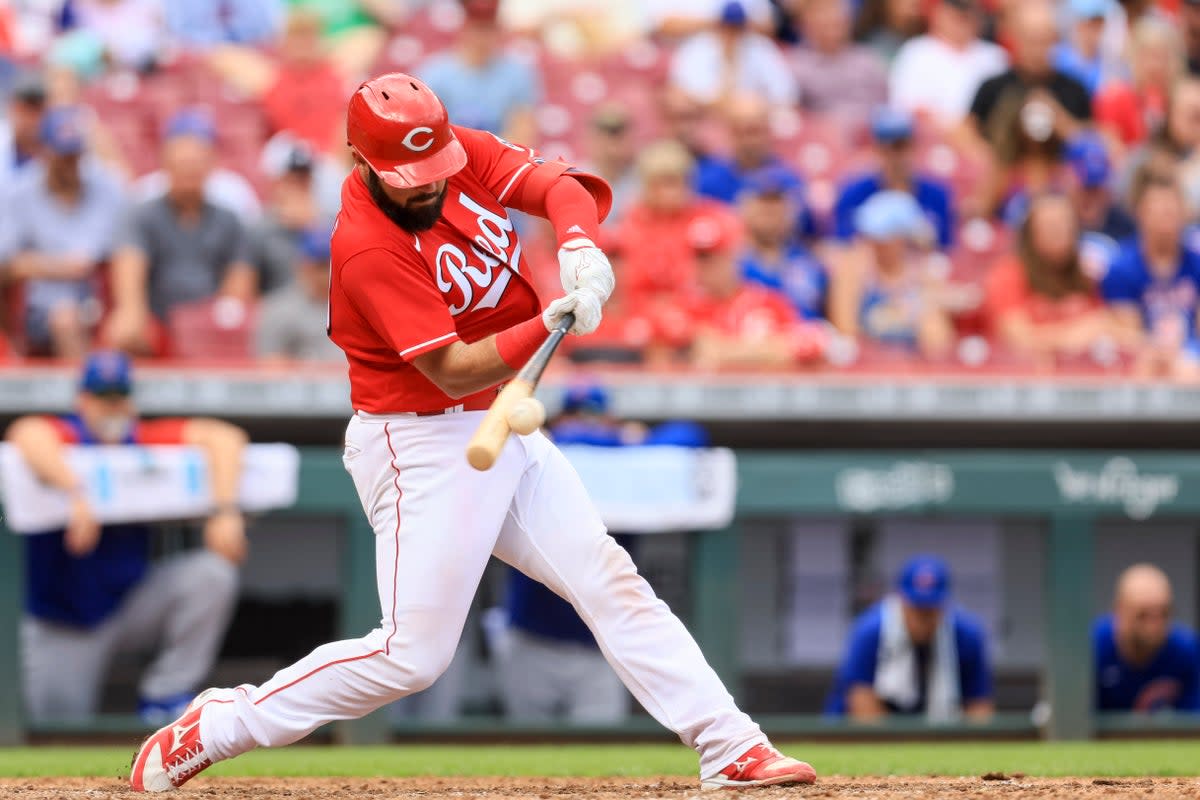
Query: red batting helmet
point(400, 128)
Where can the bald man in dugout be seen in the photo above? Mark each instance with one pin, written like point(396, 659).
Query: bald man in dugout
point(1145, 662)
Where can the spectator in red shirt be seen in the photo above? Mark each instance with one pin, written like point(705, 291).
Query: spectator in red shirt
point(722, 322)
point(651, 242)
point(1129, 110)
point(301, 90)
point(1040, 302)
point(887, 287)
point(92, 590)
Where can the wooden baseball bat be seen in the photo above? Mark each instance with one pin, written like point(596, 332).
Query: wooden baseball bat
point(485, 446)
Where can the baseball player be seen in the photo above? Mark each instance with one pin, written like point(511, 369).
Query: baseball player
point(431, 301)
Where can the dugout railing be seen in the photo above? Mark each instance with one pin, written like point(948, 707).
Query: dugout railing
point(1068, 490)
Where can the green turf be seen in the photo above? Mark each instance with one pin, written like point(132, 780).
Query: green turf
point(1165, 758)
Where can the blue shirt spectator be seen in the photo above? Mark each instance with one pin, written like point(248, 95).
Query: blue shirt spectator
point(892, 132)
point(1165, 301)
point(914, 653)
point(1091, 170)
point(63, 191)
point(204, 23)
point(1083, 52)
point(481, 85)
point(1143, 661)
point(1170, 680)
point(772, 255)
point(797, 274)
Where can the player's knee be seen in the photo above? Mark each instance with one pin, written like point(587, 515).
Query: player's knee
point(428, 666)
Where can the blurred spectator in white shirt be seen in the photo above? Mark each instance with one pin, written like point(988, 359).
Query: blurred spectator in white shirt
point(482, 85)
point(836, 76)
point(938, 74)
point(679, 18)
point(732, 59)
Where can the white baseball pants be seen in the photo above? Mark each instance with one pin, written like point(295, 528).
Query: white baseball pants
point(436, 522)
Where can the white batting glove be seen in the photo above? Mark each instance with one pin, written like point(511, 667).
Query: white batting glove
point(583, 265)
point(586, 307)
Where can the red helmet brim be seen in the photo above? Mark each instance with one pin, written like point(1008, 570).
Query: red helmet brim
point(439, 166)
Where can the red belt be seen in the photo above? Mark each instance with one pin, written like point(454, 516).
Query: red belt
point(481, 403)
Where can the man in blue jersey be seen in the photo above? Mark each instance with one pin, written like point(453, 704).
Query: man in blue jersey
point(91, 590)
point(1144, 662)
point(892, 132)
point(914, 653)
point(1153, 284)
point(772, 255)
point(747, 119)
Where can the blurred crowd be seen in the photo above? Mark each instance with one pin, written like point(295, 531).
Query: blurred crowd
point(800, 184)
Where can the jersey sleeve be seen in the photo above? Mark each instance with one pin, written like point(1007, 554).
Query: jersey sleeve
point(160, 431)
point(974, 669)
point(519, 177)
point(858, 666)
point(1189, 692)
point(399, 301)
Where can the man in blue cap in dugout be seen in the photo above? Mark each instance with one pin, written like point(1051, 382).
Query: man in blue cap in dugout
point(92, 590)
point(915, 653)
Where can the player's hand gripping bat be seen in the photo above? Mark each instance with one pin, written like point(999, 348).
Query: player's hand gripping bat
point(515, 408)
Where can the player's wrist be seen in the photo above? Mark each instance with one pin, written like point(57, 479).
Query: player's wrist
point(225, 509)
point(517, 344)
point(576, 242)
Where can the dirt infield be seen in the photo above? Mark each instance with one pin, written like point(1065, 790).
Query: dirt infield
point(670, 788)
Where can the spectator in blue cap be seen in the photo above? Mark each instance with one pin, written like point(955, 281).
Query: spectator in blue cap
point(729, 58)
point(892, 133)
point(1091, 171)
point(1082, 54)
point(887, 287)
point(773, 256)
point(63, 192)
point(194, 128)
point(291, 321)
point(915, 653)
point(751, 149)
point(92, 589)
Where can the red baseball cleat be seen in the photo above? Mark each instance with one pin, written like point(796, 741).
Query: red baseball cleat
point(173, 755)
point(761, 765)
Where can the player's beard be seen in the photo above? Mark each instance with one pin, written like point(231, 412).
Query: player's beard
point(413, 220)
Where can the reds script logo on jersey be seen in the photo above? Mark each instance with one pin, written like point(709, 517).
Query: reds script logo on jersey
point(462, 276)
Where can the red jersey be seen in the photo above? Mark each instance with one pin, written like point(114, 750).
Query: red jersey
point(394, 295)
point(1008, 290)
point(752, 313)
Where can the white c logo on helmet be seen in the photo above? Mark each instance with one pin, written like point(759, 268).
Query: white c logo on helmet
point(416, 148)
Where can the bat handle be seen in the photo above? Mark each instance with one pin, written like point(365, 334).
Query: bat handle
point(485, 446)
